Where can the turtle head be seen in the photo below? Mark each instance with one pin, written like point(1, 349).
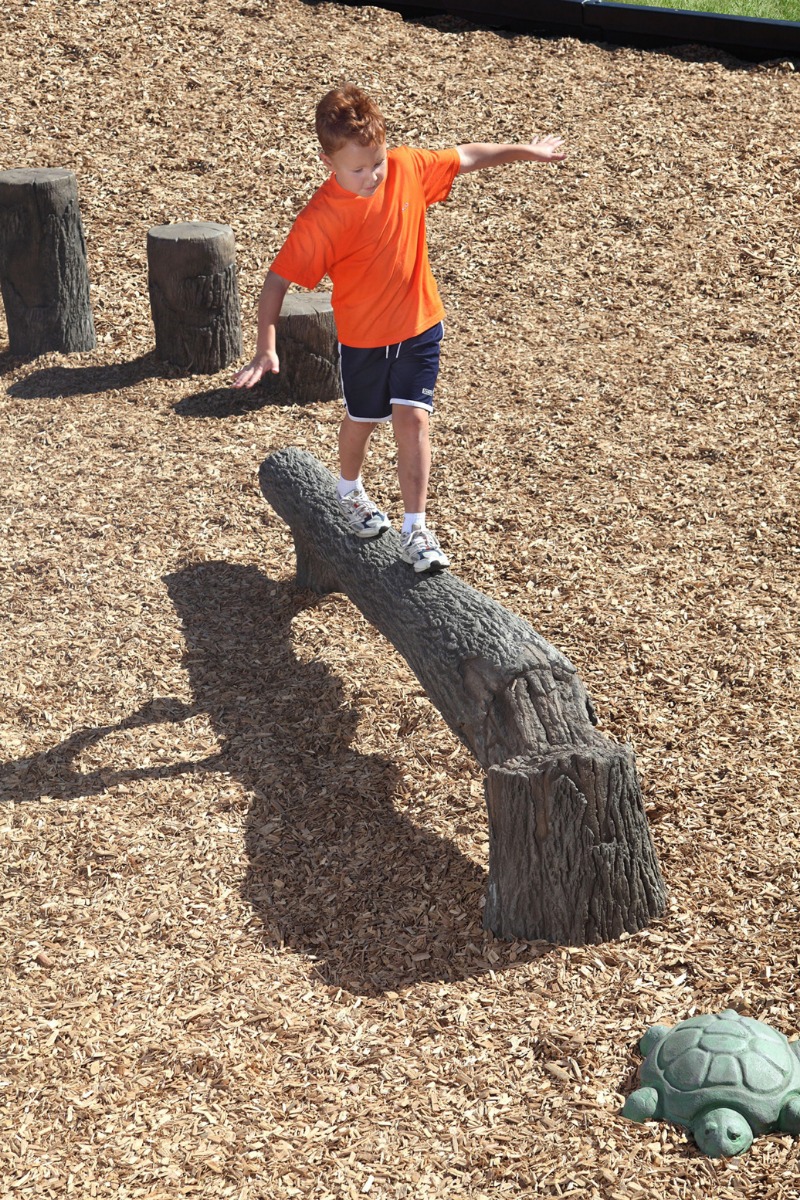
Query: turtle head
point(654, 1035)
point(722, 1132)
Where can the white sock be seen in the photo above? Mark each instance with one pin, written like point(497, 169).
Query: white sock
point(412, 519)
point(347, 485)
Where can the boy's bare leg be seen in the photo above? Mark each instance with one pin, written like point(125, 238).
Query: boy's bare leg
point(420, 547)
point(353, 442)
point(365, 520)
point(411, 434)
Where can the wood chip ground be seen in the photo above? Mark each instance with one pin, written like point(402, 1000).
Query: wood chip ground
point(242, 858)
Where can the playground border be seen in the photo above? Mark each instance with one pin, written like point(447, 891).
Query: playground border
point(753, 38)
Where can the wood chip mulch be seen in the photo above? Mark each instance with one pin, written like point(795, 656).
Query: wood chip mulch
point(242, 858)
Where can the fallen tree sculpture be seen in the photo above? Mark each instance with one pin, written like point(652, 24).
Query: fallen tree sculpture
point(571, 859)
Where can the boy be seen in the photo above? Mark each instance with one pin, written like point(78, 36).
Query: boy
point(365, 228)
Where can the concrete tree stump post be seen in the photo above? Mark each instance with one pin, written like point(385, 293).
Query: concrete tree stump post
point(308, 349)
point(571, 859)
point(44, 277)
point(194, 296)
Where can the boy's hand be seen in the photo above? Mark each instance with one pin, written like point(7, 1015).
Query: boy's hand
point(259, 366)
point(547, 149)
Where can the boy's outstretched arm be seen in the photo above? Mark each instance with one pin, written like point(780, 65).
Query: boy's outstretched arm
point(265, 359)
point(476, 155)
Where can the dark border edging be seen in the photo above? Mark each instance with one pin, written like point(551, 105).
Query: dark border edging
point(753, 34)
point(605, 20)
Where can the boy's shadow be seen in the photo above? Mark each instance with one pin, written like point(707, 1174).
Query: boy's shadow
point(335, 871)
point(221, 402)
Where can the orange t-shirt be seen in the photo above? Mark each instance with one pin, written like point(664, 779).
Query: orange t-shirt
point(374, 249)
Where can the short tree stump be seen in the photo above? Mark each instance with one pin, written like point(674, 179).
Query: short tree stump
point(194, 297)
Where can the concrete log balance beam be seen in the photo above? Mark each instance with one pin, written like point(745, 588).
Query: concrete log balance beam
point(571, 859)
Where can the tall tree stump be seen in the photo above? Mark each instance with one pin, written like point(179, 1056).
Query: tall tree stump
point(44, 277)
point(571, 859)
point(194, 296)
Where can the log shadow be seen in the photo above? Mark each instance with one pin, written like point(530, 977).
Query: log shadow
point(56, 382)
point(335, 871)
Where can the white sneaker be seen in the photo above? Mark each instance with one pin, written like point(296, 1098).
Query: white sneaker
point(365, 520)
point(422, 551)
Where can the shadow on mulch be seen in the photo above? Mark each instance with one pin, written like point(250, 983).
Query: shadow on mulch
point(335, 871)
point(232, 402)
point(51, 773)
point(8, 362)
point(60, 381)
point(52, 382)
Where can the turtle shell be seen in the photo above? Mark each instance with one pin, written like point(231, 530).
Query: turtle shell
point(726, 1061)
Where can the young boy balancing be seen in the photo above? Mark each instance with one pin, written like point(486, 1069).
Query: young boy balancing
point(365, 229)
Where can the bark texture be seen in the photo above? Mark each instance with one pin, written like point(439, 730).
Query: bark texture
point(194, 296)
point(44, 277)
point(308, 350)
point(571, 857)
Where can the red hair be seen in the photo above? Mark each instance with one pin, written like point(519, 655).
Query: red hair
point(347, 114)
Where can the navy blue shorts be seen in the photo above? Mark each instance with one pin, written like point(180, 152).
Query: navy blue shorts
point(405, 373)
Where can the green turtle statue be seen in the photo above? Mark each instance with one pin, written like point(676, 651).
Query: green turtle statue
point(726, 1078)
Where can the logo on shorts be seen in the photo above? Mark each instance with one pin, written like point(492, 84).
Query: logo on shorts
point(427, 392)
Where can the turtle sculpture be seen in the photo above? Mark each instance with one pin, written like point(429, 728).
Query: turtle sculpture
point(726, 1078)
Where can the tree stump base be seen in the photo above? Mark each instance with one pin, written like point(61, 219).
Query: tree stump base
point(568, 840)
point(194, 297)
point(44, 277)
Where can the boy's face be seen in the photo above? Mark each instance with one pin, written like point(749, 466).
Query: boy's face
point(358, 169)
